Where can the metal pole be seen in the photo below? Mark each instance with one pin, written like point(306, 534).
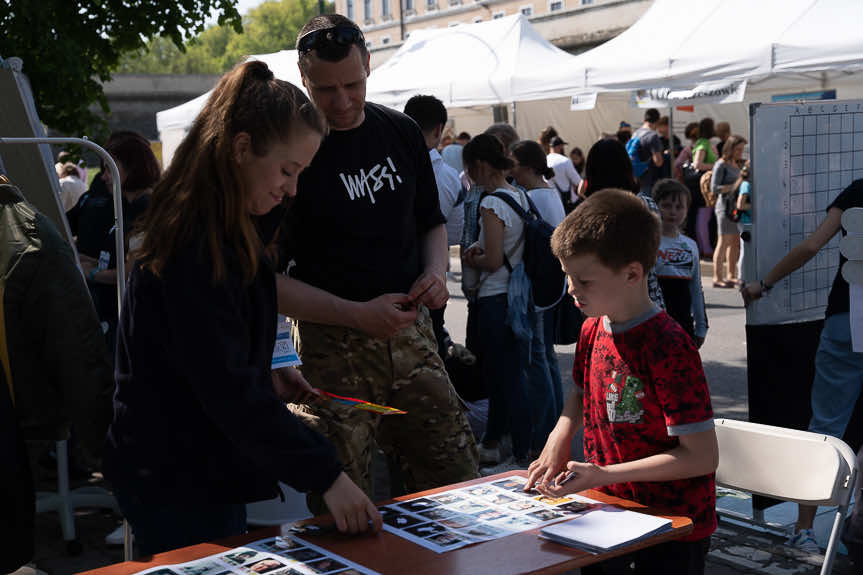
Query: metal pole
point(128, 553)
point(118, 199)
point(402, 19)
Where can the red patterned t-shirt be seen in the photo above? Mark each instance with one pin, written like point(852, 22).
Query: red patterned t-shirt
point(643, 387)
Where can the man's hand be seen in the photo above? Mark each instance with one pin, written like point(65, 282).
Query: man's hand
point(430, 289)
point(586, 476)
point(699, 341)
point(386, 315)
point(291, 387)
point(751, 292)
point(350, 507)
point(551, 462)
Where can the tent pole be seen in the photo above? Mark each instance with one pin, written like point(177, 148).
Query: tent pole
point(671, 157)
point(514, 121)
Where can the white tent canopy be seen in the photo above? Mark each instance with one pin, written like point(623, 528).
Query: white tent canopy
point(173, 123)
point(680, 44)
point(482, 64)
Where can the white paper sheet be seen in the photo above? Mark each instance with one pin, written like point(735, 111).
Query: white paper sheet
point(605, 529)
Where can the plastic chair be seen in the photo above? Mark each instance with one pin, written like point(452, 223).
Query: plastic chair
point(64, 501)
point(787, 464)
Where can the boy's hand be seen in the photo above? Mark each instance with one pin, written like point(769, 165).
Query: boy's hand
point(585, 476)
point(551, 462)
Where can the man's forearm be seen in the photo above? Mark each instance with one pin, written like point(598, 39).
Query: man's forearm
point(302, 301)
point(435, 250)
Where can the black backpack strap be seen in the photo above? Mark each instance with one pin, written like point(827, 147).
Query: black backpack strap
point(510, 201)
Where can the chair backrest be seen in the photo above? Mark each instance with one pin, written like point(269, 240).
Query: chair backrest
point(787, 464)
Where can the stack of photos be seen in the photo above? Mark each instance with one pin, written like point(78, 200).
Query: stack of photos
point(491, 510)
point(273, 556)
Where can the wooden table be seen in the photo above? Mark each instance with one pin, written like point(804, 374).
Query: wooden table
point(390, 554)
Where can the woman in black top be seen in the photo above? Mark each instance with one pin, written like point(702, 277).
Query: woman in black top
point(198, 427)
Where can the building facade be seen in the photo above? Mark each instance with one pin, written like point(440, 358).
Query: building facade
point(573, 25)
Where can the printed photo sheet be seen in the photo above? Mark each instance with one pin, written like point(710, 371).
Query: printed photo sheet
point(491, 510)
point(286, 555)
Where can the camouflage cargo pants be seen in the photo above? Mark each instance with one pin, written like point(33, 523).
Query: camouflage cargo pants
point(433, 443)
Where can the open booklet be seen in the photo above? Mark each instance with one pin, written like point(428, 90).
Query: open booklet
point(606, 528)
point(285, 555)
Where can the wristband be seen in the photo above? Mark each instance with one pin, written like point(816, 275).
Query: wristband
point(765, 287)
point(92, 275)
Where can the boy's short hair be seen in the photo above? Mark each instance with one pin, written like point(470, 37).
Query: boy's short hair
point(614, 225)
point(670, 188)
point(427, 111)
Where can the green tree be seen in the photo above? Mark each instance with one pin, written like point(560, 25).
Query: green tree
point(70, 47)
point(270, 27)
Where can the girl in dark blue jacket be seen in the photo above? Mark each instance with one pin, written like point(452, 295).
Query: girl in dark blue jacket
point(198, 428)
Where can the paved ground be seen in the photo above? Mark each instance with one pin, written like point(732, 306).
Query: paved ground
point(734, 548)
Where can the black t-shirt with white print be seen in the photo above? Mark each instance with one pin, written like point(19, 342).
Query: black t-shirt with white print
point(362, 207)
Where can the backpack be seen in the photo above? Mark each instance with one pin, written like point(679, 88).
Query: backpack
point(548, 282)
point(706, 191)
point(638, 155)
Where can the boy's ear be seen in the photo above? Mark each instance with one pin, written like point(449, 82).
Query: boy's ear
point(634, 273)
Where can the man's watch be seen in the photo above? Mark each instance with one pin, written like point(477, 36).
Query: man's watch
point(765, 287)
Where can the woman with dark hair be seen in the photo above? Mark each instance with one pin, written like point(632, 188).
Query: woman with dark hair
point(139, 171)
point(608, 166)
point(703, 153)
point(577, 157)
point(545, 138)
point(200, 427)
point(499, 250)
point(725, 183)
point(531, 172)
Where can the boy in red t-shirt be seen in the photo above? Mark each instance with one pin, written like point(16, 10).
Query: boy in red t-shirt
point(640, 390)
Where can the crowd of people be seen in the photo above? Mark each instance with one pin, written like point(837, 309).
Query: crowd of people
point(340, 214)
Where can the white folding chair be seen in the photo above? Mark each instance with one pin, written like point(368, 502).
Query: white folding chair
point(787, 464)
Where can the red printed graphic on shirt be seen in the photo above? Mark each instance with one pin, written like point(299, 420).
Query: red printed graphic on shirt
point(638, 384)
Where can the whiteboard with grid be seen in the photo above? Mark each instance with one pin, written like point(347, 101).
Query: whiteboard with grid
point(803, 156)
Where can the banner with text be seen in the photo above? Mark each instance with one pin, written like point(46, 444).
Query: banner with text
point(708, 93)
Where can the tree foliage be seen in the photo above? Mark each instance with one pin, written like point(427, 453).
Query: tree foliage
point(70, 47)
point(270, 27)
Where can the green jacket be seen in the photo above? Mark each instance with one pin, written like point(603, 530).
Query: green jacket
point(60, 371)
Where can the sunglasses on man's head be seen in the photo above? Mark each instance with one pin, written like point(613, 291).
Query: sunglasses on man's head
point(338, 35)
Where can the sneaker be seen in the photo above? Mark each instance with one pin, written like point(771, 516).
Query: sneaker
point(115, 537)
point(510, 464)
point(804, 540)
point(488, 455)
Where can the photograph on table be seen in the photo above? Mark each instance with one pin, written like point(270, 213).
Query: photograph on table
point(399, 520)
point(481, 490)
point(426, 529)
point(490, 515)
point(264, 565)
point(327, 565)
point(280, 544)
point(305, 555)
point(448, 540)
point(240, 557)
point(447, 498)
point(544, 515)
point(417, 505)
point(437, 513)
point(514, 484)
point(458, 521)
point(484, 532)
point(469, 507)
point(554, 500)
point(523, 505)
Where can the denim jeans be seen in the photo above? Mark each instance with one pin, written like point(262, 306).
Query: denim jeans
point(161, 526)
point(539, 386)
point(501, 368)
point(551, 359)
point(838, 378)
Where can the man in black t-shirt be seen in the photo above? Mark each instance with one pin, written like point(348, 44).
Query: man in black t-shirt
point(369, 244)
